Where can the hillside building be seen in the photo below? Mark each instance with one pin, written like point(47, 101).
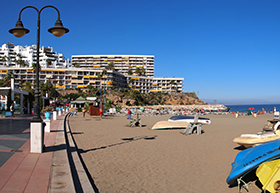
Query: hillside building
point(25, 56)
point(130, 71)
point(125, 64)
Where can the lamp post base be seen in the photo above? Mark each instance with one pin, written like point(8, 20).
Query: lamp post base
point(36, 137)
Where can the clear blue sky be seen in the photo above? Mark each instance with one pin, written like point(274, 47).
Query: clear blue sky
point(226, 50)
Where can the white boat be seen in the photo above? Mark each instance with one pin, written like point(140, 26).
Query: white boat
point(190, 119)
point(250, 140)
point(170, 125)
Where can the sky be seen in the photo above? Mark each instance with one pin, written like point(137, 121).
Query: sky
point(227, 51)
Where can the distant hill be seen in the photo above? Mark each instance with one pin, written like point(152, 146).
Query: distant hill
point(154, 99)
point(128, 97)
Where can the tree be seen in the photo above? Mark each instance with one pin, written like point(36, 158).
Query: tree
point(143, 71)
point(5, 59)
point(129, 72)
point(131, 81)
point(172, 82)
point(110, 66)
point(104, 72)
point(27, 86)
point(49, 62)
point(89, 86)
point(76, 65)
point(22, 63)
point(34, 67)
point(7, 79)
point(140, 71)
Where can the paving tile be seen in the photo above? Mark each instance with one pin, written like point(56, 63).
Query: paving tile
point(4, 157)
point(22, 174)
point(11, 144)
point(40, 178)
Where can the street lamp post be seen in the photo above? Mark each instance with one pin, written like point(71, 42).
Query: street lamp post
point(36, 125)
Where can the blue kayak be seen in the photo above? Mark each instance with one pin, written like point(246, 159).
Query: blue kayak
point(249, 159)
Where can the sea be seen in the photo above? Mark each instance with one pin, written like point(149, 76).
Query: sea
point(243, 108)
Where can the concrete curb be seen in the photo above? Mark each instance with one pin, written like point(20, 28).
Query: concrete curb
point(61, 177)
point(80, 178)
point(68, 173)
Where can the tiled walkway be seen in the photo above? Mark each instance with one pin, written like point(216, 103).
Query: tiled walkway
point(21, 171)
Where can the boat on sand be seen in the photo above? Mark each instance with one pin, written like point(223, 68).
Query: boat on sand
point(170, 125)
point(269, 175)
point(190, 119)
point(250, 159)
point(250, 140)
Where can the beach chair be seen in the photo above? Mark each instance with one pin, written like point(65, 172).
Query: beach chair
point(135, 123)
point(193, 126)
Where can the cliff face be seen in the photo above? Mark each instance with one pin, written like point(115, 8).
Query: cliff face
point(183, 98)
point(151, 99)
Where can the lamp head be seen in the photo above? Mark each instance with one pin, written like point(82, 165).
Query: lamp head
point(58, 30)
point(19, 30)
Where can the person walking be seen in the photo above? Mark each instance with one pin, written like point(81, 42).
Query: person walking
point(12, 110)
point(84, 112)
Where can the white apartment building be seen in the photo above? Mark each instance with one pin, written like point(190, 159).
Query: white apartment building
point(59, 71)
point(122, 63)
point(63, 78)
point(16, 56)
point(72, 78)
point(155, 84)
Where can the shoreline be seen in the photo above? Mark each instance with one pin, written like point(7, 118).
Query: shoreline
point(192, 107)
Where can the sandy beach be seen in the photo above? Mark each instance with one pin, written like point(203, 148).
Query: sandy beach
point(125, 159)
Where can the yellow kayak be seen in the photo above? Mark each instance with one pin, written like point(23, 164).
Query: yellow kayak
point(269, 175)
point(250, 140)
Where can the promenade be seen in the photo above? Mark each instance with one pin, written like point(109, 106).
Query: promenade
point(50, 171)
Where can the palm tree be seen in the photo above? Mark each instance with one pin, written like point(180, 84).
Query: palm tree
point(20, 83)
point(7, 78)
point(129, 72)
point(100, 75)
point(110, 66)
point(104, 72)
point(143, 71)
point(5, 59)
point(138, 71)
point(131, 81)
point(27, 86)
point(49, 62)
point(22, 63)
point(34, 67)
point(76, 65)
point(172, 82)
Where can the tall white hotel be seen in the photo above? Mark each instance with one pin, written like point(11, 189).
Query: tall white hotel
point(62, 73)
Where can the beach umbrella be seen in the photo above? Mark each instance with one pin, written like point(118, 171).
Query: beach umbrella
point(251, 108)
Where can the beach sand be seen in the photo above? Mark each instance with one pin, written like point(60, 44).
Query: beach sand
point(125, 159)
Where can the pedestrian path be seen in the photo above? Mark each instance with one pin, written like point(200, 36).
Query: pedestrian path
point(22, 171)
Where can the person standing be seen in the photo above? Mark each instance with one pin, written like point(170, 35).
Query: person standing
point(128, 114)
point(84, 112)
point(101, 113)
point(12, 110)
